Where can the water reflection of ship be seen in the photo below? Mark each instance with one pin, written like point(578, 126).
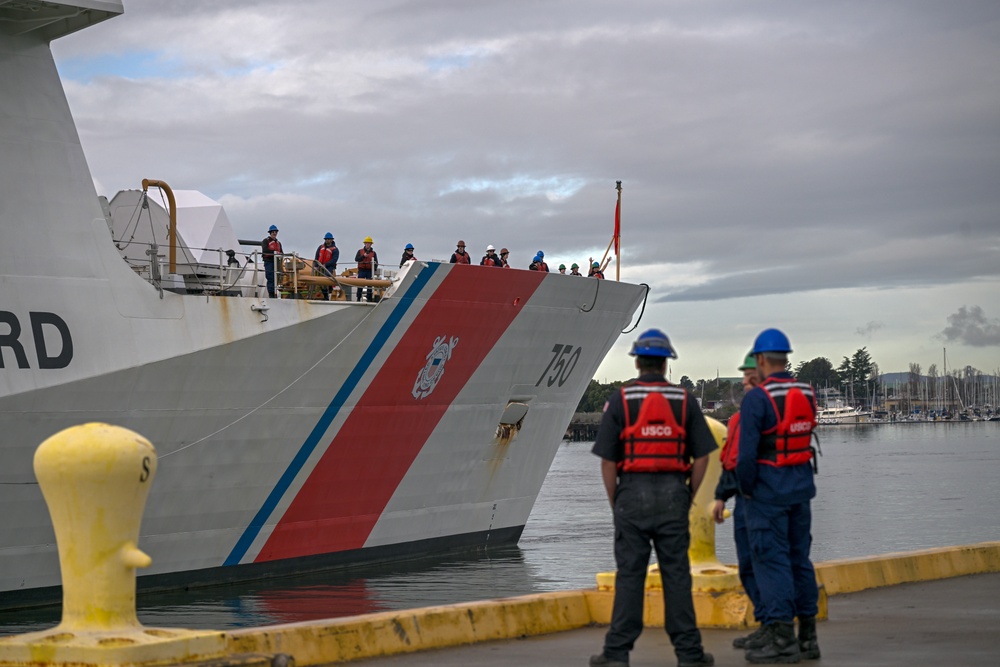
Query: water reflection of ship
point(501, 572)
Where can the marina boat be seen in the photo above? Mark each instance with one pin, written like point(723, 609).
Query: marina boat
point(292, 434)
point(841, 414)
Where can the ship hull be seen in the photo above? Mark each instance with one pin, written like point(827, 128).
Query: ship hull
point(311, 445)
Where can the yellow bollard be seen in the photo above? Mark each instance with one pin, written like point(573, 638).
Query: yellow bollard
point(95, 479)
point(707, 573)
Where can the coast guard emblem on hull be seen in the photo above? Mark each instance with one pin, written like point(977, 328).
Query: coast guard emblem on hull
point(431, 374)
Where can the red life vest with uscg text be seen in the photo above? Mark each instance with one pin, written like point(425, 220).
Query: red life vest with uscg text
point(789, 443)
point(731, 451)
point(653, 436)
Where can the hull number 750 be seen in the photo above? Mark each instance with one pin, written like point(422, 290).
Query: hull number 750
point(564, 358)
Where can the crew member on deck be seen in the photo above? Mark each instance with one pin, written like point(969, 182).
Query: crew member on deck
point(271, 246)
point(775, 473)
point(460, 256)
point(367, 261)
point(538, 263)
point(407, 255)
point(595, 271)
point(654, 444)
point(325, 261)
point(574, 270)
point(503, 258)
point(562, 269)
point(491, 258)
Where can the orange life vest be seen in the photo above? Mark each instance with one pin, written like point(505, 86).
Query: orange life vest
point(731, 450)
point(654, 428)
point(366, 260)
point(789, 443)
point(325, 255)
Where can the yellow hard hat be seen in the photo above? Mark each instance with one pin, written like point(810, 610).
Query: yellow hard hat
point(368, 239)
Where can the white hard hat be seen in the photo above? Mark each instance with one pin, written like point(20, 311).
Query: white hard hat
point(489, 247)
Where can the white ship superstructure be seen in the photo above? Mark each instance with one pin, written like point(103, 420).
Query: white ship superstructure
point(292, 434)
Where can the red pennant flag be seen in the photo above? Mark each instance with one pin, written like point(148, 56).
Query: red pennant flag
point(618, 224)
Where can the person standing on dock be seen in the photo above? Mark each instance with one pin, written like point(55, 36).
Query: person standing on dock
point(460, 256)
point(367, 261)
point(775, 472)
point(271, 246)
point(728, 488)
point(654, 444)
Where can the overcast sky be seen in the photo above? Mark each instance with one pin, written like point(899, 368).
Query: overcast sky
point(830, 168)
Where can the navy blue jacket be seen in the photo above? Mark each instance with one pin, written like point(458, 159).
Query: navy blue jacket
point(788, 485)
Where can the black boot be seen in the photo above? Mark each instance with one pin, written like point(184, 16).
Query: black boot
point(808, 644)
point(601, 660)
point(782, 647)
point(753, 640)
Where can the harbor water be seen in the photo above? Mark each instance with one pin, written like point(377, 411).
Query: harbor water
point(882, 488)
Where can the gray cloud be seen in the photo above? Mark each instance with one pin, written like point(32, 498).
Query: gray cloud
point(782, 147)
point(970, 326)
point(869, 329)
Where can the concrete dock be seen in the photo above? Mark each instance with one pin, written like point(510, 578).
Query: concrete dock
point(945, 622)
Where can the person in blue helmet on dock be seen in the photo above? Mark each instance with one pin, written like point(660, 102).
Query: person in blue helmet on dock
point(727, 488)
point(271, 247)
point(775, 473)
point(654, 444)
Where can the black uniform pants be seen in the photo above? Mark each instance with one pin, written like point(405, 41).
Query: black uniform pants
point(651, 510)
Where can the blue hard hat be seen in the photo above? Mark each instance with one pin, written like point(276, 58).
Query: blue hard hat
point(272, 228)
point(541, 254)
point(596, 265)
point(653, 343)
point(538, 258)
point(409, 246)
point(771, 340)
point(328, 235)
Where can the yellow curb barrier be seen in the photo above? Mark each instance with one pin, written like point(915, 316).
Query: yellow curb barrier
point(857, 574)
point(389, 633)
point(729, 609)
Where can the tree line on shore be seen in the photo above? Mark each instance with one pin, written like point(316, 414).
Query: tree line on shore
point(857, 381)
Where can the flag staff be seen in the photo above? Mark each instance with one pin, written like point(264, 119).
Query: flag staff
point(615, 238)
point(618, 233)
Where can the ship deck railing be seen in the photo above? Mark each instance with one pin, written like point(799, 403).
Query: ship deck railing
point(242, 274)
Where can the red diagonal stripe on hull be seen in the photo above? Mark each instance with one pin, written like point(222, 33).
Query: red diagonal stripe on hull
point(339, 504)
